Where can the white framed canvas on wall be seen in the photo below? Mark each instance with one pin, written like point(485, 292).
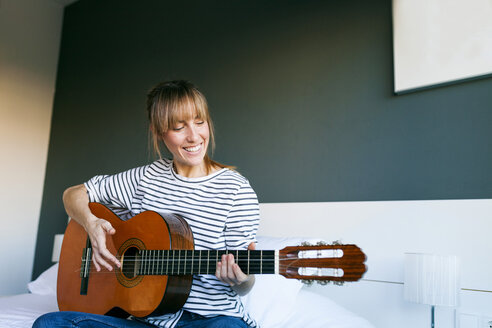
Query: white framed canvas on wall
point(438, 42)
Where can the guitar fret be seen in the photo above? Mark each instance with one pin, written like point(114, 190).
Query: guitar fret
point(261, 261)
point(148, 262)
point(144, 261)
point(192, 258)
point(152, 260)
point(142, 268)
point(144, 254)
point(149, 255)
point(199, 261)
point(156, 262)
point(141, 261)
point(180, 263)
point(248, 260)
point(172, 262)
point(167, 262)
point(149, 259)
point(142, 257)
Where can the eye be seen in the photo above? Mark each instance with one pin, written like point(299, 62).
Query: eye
point(178, 127)
point(199, 122)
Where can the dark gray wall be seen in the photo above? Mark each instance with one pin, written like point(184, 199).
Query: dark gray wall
point(300, 91)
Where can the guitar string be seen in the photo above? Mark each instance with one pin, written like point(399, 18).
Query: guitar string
point(155, 260)
point(158, 260)
point(93, 270)
point(131, 269)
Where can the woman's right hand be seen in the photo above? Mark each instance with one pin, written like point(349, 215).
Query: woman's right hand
point(98, 229)
point(76, 203)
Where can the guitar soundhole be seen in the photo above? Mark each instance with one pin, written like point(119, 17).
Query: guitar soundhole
point(129, 266)
point(127, 275)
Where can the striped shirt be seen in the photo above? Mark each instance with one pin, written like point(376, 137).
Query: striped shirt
point(221, 209)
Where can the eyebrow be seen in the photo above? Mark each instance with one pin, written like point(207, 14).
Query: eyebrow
point(196, 118)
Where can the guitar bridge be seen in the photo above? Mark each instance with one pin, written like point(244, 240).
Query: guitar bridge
point(85, 268)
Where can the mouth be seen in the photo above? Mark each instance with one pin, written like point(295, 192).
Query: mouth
point(193, 149)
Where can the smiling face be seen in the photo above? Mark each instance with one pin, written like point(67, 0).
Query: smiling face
point(179, 118)
point(187, 140)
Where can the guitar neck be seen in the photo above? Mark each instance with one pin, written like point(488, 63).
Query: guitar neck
point(188, 262)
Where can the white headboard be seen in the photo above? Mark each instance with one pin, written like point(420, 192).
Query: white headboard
point(385, 230)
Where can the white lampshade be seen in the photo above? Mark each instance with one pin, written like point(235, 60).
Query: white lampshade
point(432, 279)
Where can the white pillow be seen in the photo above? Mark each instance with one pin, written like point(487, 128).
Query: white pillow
point(45, 284)
point(272, 299)
point(316, 311)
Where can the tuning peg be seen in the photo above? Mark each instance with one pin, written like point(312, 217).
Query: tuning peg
point(322, 243)
point(307, 282)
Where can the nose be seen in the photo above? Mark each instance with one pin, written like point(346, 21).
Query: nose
point(192, 135)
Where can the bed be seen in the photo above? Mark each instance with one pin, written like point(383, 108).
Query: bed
point(274, 301)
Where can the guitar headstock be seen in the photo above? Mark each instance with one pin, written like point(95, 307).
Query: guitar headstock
point(322, 263)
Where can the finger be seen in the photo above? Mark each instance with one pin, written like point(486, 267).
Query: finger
point(98, 268)
point(100, 245)
point(99, 261)
point(218, 270)
point(102, 254)
point(235, 274)
point(239, 274)
point(224, 270)
point(252, 246)
point(219, 273)
point(106, 254)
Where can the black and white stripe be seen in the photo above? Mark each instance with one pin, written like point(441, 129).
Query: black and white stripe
point(221, 209)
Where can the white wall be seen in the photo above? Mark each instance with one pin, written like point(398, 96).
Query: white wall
point(385, 230)
point(30, 32)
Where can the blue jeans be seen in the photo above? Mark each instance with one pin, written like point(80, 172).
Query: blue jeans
point(86, 320)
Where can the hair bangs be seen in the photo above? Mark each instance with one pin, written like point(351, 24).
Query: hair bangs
point(187, 107)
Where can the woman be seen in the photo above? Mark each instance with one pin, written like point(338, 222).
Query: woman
point(218, 203)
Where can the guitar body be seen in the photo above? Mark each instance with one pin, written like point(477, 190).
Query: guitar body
point(115, 292)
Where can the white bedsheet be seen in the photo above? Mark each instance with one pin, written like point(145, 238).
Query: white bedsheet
point(20, 311)
point(310, 311)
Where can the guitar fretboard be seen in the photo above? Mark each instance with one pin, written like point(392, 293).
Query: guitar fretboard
point(187, 262)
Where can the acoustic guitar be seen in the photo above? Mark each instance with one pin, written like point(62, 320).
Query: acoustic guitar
point(158, 260)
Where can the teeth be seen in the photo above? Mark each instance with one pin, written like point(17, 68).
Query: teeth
point(193, 149)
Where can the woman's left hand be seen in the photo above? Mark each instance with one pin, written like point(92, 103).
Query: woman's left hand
point(229, 272)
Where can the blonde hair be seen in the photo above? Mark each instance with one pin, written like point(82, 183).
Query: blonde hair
point(172, 101)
